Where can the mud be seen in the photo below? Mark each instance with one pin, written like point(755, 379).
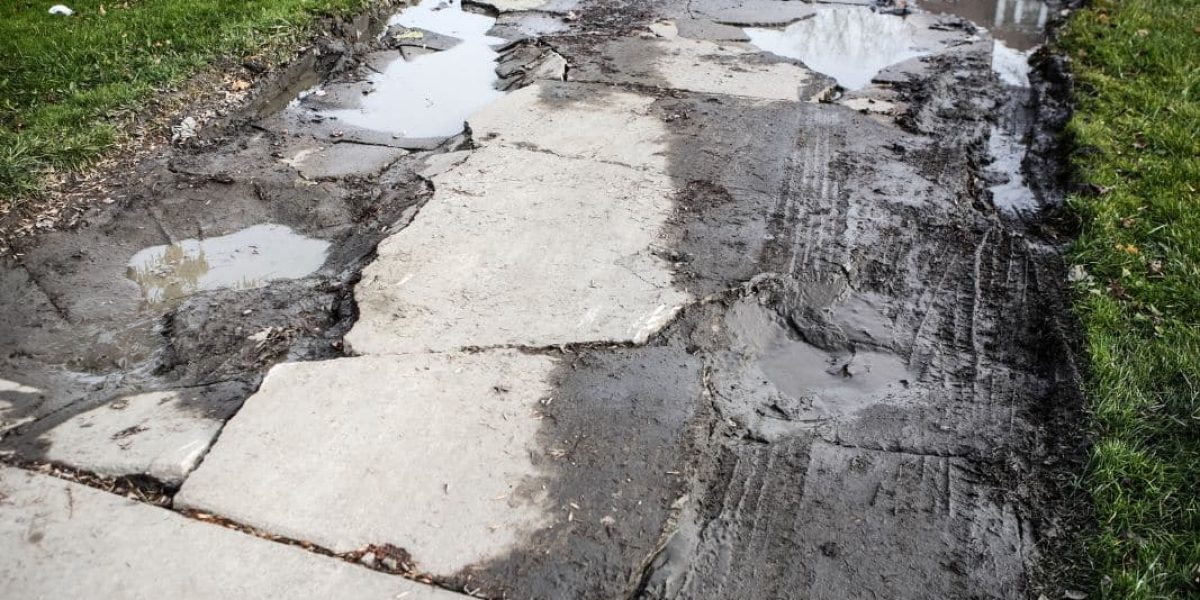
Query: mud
point(890, 401)
point(213, 262)
point(873, 394)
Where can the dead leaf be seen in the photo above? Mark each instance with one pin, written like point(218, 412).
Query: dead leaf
point(239, 85)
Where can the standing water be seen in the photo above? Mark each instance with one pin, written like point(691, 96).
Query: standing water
point(432, 95)
point(1017, 26)
point(849, 44)
point(246, 259)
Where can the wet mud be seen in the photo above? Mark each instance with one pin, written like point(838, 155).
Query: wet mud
point(889, 402)
point(873, 395)
point(214, 261)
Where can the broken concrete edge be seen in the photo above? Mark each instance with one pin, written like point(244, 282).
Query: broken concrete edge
point(51, 514)
point(141, 488)
point(738, 290)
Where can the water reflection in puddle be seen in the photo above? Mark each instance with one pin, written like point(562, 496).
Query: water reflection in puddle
point(849, 44)
point(246, 259)
point(1011, 66)
point(1012, 195)
point(432, 95)
point(1018, 24)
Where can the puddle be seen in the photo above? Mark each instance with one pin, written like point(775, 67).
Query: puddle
point(1018, 24)
point(1012, 196)
point(1011, 66)
point(430, 96)
point(826, 382)
point(812, 383)
point(243, 260)
point(849, 44)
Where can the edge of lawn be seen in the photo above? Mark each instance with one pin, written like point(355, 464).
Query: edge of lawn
point(1135, 269)
point(139, 128)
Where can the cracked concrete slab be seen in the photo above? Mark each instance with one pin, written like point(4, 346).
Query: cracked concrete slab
point(577, 120)
point(549, 6)
point(874, 398)
point(64, 540)
point(757, 13)
point(477, 464)
point(519, 247)
point(433, 453)
point(697, 66)
point(153, 434)
point(336, 161)
point(430, 453)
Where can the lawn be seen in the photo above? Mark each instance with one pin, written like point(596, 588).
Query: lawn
point(1137, 271)
point(68, 84)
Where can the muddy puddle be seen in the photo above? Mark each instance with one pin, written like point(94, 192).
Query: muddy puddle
point(423, 93)
point(1011, 194)
point(1018, 24)
point(247, 259)
point(850, 370)
point(849, 44)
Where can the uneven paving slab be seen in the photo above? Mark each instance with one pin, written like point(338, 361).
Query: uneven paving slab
point(577, 120)
point(679, 63)
point(546, 6)
point(505, 470)
point(522, 247)
point(336, 161)
point(755, 13)
point(65, 540)
point(621, 430)
point(153, 434)
point(431, 453)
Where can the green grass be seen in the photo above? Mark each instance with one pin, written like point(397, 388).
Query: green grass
point(1137, 133)
point(67, 83)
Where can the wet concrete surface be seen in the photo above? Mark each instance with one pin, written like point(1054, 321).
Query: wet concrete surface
point(865, 386)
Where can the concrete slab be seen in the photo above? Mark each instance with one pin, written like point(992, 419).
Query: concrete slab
point(11, 415)
point(431, 453)
point(152, 434)
point(549, 6)
point(519, 247)
point(577, 120)
point(753, 13)
point(696, 66)
point(64, 540)
point(336, 161)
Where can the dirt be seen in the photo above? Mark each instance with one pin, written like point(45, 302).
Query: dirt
point(875, 396)
point(890, 400)
point(77, 327)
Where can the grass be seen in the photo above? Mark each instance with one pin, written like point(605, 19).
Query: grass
point(1137, 266)
point(68, 84)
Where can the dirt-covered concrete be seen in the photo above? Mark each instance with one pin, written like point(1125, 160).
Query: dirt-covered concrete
point(777, 338)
